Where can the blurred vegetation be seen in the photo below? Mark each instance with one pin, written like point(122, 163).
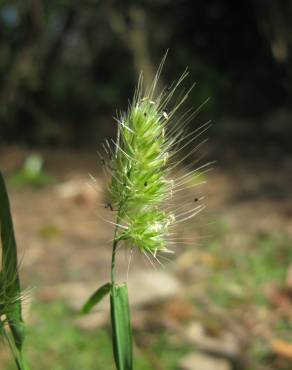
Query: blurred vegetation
point(32, 173)
point(66, 65)
point(56, 336)
point(236, 281)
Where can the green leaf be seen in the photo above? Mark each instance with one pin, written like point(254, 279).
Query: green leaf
point(121, 328)
point(96, 297)
point(10, 279)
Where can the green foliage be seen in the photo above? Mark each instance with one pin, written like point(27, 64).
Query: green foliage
point(10, 287)
point(96, 297)
point(54, 333)
point(241, 274)
point(10, 293)
point(169, 350)
point(55, 342)
point(32, 173)
point(121, 327)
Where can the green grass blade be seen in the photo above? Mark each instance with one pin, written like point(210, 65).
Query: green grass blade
point(96, 297)
point(121, 328)
point(10, 268)
point(20, 361)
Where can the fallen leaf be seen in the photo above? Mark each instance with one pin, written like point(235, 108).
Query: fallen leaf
point(282, 348)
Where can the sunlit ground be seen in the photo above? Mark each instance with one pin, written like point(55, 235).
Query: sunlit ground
point(233, 270)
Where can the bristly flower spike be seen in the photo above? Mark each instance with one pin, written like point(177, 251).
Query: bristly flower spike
point(142, 159)
point(146, 176)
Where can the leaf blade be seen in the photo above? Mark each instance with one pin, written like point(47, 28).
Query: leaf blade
point(121, 328)
point(10, 267)
point(95, 298)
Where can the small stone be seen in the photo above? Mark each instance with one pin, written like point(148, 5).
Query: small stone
point(80, 191)
point(198, 361)
point(147, 287)
point(226, 344)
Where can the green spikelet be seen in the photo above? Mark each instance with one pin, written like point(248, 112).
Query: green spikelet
point(141, 165)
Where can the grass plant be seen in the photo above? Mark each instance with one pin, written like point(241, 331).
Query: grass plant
point(11, 322)
point(151, 137)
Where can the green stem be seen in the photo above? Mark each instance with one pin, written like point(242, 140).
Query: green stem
point(114, 251)
point(16, 353)
point(115, 243)
point(113, 264)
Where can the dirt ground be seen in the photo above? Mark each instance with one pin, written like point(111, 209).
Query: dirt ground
point(60, 228)
point(59, 234)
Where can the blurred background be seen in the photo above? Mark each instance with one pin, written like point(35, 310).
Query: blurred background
point(224, 301)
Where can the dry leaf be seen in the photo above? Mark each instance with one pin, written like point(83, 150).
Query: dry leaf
point(282, 348)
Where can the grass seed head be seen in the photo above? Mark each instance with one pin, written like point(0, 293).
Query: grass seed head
point(142, 160)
